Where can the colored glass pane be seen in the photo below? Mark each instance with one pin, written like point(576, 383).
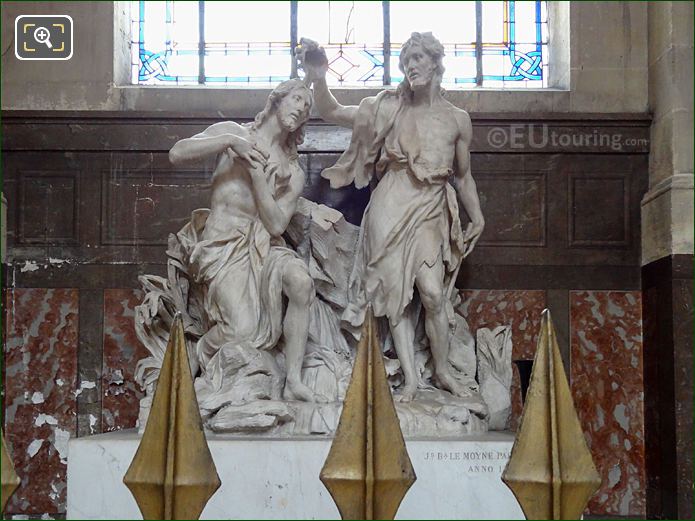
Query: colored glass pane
point(249, 42)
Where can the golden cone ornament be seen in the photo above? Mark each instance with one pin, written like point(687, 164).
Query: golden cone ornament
point(10, 480)
point(173, 475)
point(368, 470)
point(550, 470)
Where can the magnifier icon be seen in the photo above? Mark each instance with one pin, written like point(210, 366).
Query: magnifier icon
point(42, 35)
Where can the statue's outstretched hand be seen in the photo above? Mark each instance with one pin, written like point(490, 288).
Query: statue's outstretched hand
point(311, 58)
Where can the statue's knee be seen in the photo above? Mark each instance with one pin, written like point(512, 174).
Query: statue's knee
point(432, 298)
point(300, 287)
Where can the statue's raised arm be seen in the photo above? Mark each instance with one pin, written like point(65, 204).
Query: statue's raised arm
point(225, 136)
point(311, 57)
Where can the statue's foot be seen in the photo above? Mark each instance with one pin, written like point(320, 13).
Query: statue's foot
point(451, 384)
point(407, 394)
point(299, 391)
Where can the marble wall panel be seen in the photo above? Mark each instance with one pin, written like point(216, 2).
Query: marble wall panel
point(122, 350)
point(520, 308)
point(41, 389)
point(607, 385)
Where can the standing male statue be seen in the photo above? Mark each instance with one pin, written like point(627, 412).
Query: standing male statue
point(235, 249)
point(415, 142)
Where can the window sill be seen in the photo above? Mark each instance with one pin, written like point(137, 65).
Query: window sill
point(246, 102)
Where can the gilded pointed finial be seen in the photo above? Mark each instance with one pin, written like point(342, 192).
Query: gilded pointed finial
point(550, 471)
point(10, 480)
point(173, 475)
point(368, 470)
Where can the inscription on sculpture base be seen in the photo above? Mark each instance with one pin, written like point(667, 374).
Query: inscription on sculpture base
point(278, 478)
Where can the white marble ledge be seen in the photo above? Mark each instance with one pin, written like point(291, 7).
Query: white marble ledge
point(271, 478)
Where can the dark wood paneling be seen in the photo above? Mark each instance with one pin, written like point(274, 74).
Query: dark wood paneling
point(490, 276)
point(151, 131)
point(582, 136)
point(545, 208)
point(348, 200)
point(89, 357)
point(558, 303)
point(144, 208)
point(599, 210)
point(471, 276)
point(84, 276)
point(667, 286)
point(517, 221)
point(48, 207)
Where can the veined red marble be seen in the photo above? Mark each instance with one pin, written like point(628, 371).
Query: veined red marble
point(607, 385)
point(40, 393)
point(122, 350)
point(520, 308)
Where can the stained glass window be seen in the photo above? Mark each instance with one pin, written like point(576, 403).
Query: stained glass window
point(497, 44)
point(352, 33)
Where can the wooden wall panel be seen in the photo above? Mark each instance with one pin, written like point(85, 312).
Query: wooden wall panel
point(517, 221)
point(143, 208)
point(49, 207)
point(599, 210)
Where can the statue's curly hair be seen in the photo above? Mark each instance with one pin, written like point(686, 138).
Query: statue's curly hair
point(297, 137)
point(434, 50)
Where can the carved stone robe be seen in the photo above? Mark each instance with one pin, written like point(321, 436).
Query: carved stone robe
point(412, 217)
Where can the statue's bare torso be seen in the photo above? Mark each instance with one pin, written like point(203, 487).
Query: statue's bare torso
point(232, 190)
point(429, 134)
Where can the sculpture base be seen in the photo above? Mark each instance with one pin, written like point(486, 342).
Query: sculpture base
point(266, 478)
point(432, 414)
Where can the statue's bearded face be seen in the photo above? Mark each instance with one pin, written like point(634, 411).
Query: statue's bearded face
point(293, 109)
point(419, 67)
